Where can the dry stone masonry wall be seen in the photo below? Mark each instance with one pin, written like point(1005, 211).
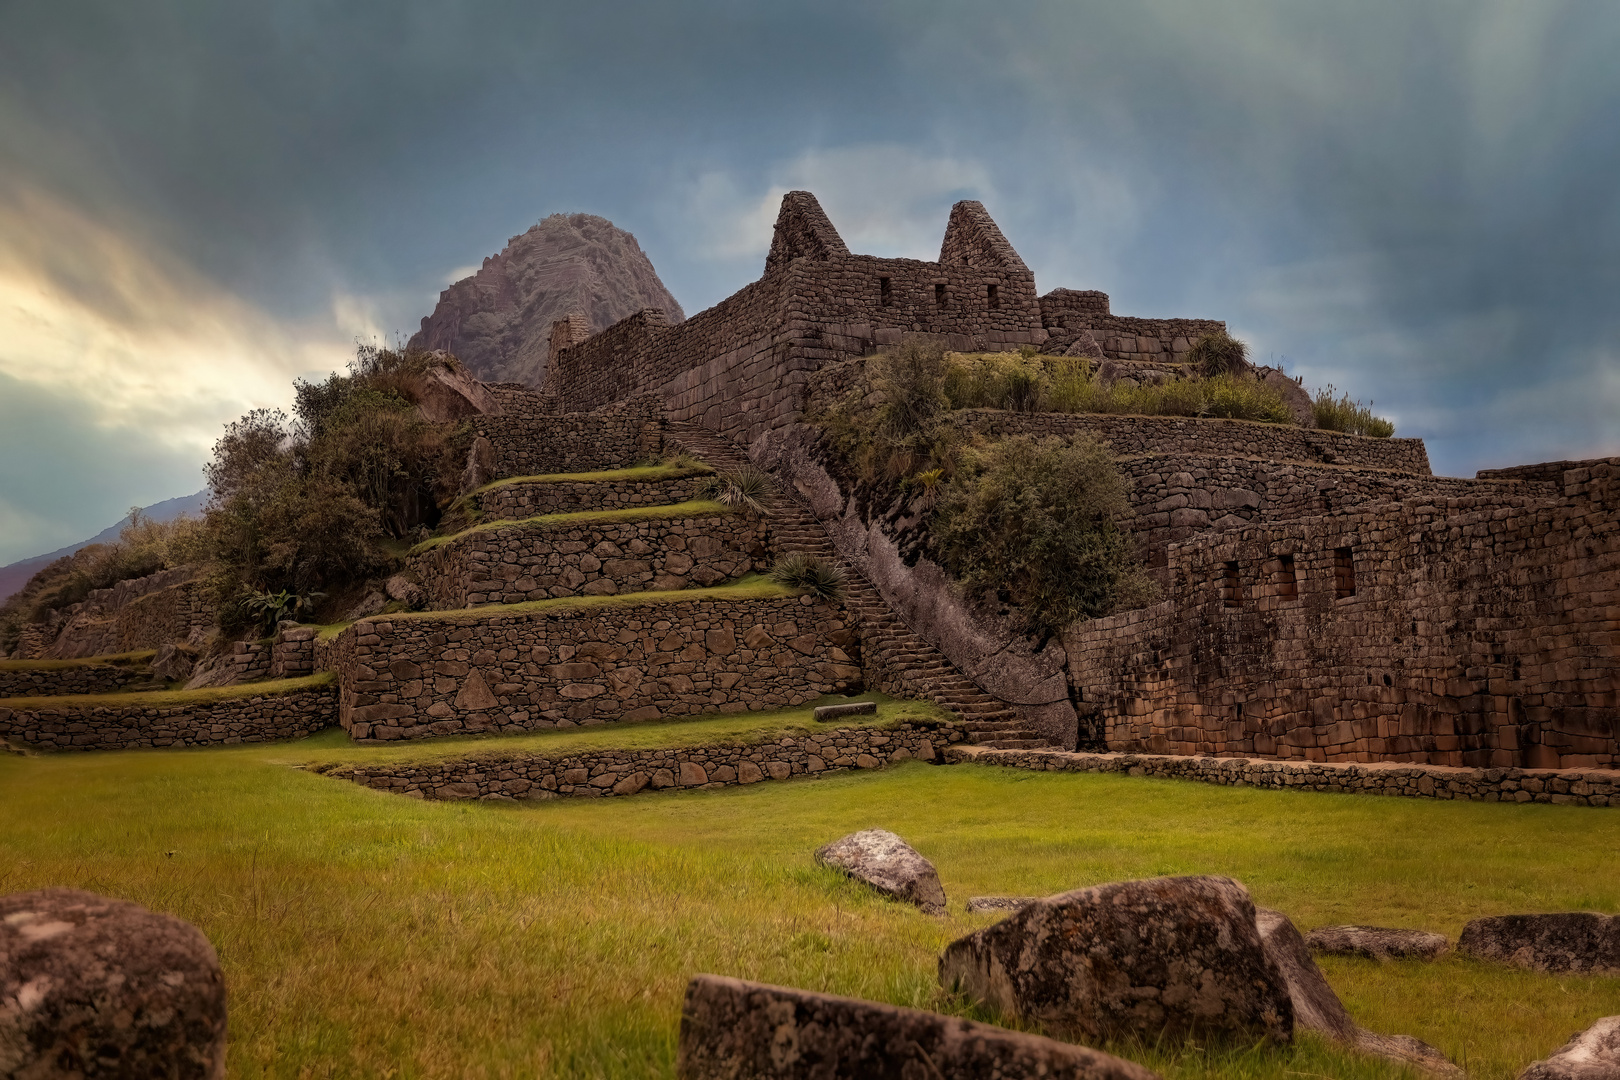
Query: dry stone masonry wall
point(23, 678)
point(1079, 323)
point(411, 677)
point(606, 773)
point(614, 437)
point(522, 499)
point(513, 563)
point(65, 725)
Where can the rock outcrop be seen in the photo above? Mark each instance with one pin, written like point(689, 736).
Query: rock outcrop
point(1377, 942)
point(1567, 941)
point(498, 321)
point(1170, 957)
point(96, 987)
point(1593, 1054)
point(731, 1028)
point(888, 864)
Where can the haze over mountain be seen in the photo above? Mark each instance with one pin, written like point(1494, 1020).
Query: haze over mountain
point(15, 575)
point(498, 321)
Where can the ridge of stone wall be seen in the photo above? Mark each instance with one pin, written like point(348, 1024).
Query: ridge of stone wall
point(531, 561)
point(1139, 436)
point(606, 773)
point(66, 725)
point(1579, 787)
point(521, 500)
point(1477, 632)
point(406, 677)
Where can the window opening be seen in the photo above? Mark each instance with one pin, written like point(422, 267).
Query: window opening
point(885, 292)
point(1231, 588)
point(995, 295)
point(1344, 573)
point(1287, 580)
point(939, 296)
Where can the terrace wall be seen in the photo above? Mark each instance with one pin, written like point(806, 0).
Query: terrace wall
point(415, 676)
point(518, 562)
point(608, 773)
point(67, 725)
point(521, 500)
point(25, 678)
point(1079, 322)
point(614, 437)
point(1481, 632)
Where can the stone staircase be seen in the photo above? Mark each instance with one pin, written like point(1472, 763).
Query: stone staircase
point(897, 660)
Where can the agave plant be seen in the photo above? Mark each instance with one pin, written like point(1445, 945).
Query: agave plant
point(745, 487)
point(813, 574)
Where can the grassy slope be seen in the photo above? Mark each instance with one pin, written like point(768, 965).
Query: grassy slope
point(690, 509)
point(365, 934)
point(606, 476)
point(155, 698)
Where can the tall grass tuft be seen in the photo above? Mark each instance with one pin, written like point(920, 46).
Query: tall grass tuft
point(813, 574)
point(1352, 417)
point(744, 487)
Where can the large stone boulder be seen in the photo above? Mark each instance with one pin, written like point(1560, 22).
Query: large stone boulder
point(172, 664)
point(1317, 1008)
point(888, 864)
point(1377, 942)
point(1569, 941)
point(92, 987)
point(1167, 957)
point(737, 1030)
point(444, 393)
point(1593, 1054)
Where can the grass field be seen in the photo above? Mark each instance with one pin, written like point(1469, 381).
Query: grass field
point(368, 935)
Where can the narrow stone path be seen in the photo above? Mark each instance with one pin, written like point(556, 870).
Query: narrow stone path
point(896, 659)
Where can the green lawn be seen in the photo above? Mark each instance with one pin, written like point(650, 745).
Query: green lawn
point(369, 935)
point(604, 476)
point(692, 508)
point(206, 695)
point(127, 659)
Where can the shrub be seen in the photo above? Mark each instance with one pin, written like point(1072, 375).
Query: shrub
point(1218, 354)
point(1037, 521)
point(745, 487)
point(1352, 417)
point(813, 574)
point(893, 422)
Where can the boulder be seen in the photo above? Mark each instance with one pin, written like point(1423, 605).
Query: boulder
point(734, 1029)
point(888, 864)
point(1569, 941)
point(480, 468)
point(1377, 942)
point(444, 393)
point(838, 712)
point(401, 588)
point(1172, 957)
point(1293, 393)
point(92, 987)
point(1318, 1008)
point(998, 903)
point(1593, 1054)
point(171, 664)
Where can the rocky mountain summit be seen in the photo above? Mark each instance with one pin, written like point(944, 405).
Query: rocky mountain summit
point(497, 322)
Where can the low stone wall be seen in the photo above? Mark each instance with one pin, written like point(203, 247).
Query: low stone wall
point(25, 678)
point(606, 773)
point(519, 562)
point(1136, 436)
point(67, 725)
point(140, 613)
point(1581, 787)
point(522, 401)
point(290, 654)
point(615, 436)
point(409, 677)
point(523, 499)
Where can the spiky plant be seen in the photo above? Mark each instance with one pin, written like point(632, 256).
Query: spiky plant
point(813, 574)
point(1218, 354)
point(746, 487)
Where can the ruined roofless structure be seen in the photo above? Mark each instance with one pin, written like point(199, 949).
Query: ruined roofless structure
point(739, 367)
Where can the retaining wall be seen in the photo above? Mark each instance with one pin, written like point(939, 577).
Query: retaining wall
point(67, 725)
point(415, 676)
point(526, 499)
point(141, 613)
point(613, 437)
point(607, 773)
point(23, 678)
point(518, 562)
point(1075, 317)
point(1580, 787)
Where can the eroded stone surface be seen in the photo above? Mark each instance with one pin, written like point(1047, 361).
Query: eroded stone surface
point(1165, 957)
point(734, 1029)
point(998, 903)
point(888, 864)
point(92, 987)
point(1377, 942)
point(1568, 941)
point(1593, 1054)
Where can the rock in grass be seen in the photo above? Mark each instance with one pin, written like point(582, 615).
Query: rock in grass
point(739, 1030)
point(92, 987)
point(888, 864)
point(977, 904)
point(836, 712)
point(1170, 957)
point(1593, 1054)
point(1570, 941)
point(1377, 942)
point(1318, 1008)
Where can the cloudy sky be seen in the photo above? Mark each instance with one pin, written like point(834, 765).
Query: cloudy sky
point(1417, 201)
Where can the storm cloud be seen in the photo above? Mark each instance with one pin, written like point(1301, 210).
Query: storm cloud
point(1413, 201)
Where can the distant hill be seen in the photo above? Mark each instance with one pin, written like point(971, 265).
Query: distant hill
point(498, 322)
point(16, 575)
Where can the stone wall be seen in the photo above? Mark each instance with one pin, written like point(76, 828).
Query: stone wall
point(31, 678)
point(1137, 436)
point(288, 654)
point(140, 613)
point(614, 437)
point(1579, 787)
point(1476, 632)
point(606, 773)
point(1079, 323)
point(523, 402)
point(510, 501)
point(509, 564)
point(415, 676)
point(66, 725)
